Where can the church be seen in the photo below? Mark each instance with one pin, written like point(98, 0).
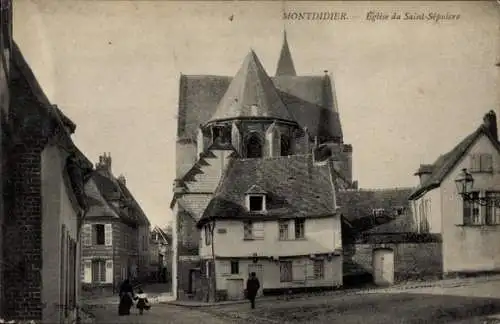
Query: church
point(259, 149)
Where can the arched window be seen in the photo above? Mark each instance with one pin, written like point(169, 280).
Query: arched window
point(285, 145)
point(254, 147)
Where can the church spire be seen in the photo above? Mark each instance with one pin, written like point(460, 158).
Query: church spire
point(285, 63)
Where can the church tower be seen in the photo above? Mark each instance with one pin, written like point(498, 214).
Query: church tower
point(251, 116)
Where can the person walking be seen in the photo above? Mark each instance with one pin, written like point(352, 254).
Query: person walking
point(253, 286)
point(126, 298)
point(142, 301)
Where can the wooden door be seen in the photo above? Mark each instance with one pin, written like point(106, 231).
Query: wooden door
point(235, 289)
point(383, 267)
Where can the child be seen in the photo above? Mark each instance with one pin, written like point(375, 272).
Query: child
point(142, 301)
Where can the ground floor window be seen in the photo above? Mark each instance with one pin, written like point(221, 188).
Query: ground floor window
point(285, 271)
point(319, 269)
point(235, 267)
point(98, 271)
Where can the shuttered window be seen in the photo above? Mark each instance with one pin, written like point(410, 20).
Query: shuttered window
point(258, 230)
point(319, 269)
point(87, 235)
point(492, 212)
point(481, 162)
point(87, 271)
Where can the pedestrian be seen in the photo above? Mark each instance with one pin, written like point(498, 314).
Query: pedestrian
point(142, 301)
point(253, 286)
point(126, 298)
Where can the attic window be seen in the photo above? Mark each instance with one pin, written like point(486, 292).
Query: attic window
point(256, 203)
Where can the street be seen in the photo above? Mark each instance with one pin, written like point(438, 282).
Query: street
point(472, 303)
point(159, 314)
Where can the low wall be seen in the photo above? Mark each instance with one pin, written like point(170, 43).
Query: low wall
point(412, 261)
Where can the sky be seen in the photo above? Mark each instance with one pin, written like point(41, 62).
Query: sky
point(407, 90)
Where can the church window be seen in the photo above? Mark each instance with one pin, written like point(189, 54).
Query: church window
point(222, 133)
point(254, 147)
point(285, 145)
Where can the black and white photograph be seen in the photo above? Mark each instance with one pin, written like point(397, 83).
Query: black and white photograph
point(214, 162)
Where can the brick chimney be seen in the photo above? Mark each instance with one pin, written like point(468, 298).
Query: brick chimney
point(490, 123)
point(104, 162)
point(424, 172)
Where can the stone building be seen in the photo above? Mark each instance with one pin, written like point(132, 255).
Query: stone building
point(115, 236)
point(380, 238)
point(44, 203)
point(252, 115)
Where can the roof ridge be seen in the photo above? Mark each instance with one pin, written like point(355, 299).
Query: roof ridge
point(280, 157)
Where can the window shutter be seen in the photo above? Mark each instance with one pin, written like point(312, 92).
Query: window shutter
point(87, 271)
point(258, 230)
point(475, 163)
point(299, 270)
point(109, 271)
point(486, 162)
point(108, 234)
point(87, 235)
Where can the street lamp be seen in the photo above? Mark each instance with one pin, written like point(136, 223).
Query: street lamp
point(465, 183)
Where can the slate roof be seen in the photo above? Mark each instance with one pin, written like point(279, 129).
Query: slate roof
point(251, 87)
point(285, 62)
point(357, 208)
point(446, 162)
point(295, 188)
point(311, 100)
point(112, 196)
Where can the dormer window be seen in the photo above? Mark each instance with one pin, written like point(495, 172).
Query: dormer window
point(256, 199)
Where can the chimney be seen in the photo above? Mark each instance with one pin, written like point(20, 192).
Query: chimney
point(424, 172)
point(122, 180)
point(490, 123)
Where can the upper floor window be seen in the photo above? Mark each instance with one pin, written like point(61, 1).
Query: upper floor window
point(481, 162)
point(253, 230)
point(300, 228)
point(283, 230)
point(256, 203)
point(492, 212)
point(472, 211)
point(99, 234)
point(254, 146)
point(378, 212)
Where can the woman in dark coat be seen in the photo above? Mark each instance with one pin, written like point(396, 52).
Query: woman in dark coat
point(126, 298)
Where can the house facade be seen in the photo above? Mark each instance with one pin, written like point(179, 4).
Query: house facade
point(161, 255)
point(44, 203)
point(295, 247)
point(470, 232)
point(225, 122)
point(115, 236)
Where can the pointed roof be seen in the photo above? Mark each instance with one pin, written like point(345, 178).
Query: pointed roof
point(447, 162)
point(252, 94)
point(285, 62)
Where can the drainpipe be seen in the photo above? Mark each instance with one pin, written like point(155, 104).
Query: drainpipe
point(213, 276)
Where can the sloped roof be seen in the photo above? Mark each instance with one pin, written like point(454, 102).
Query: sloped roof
point(251, 93)
point(98, 206)
point(142, 218)
point(295, 188)
point(285, 62)
point(357, 208)
point(446, 162)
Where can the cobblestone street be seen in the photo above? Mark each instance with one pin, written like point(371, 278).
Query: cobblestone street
point(160, 314)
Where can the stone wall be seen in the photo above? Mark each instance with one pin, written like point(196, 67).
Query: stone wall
point(411, 260)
